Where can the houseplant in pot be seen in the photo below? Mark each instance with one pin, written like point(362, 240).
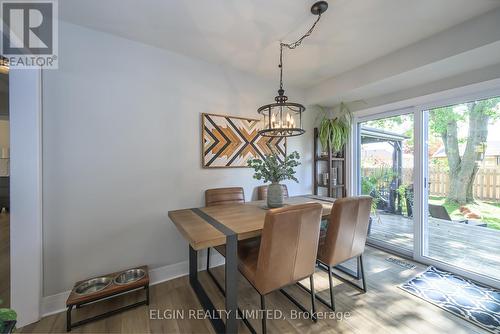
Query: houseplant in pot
point(271, 169)
point(334, 130)
point(7, 320)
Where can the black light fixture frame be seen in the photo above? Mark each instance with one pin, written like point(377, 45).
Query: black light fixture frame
point(4, 62)
point(282, 106)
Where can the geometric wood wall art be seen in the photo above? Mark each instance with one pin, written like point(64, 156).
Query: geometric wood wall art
point(229, 141)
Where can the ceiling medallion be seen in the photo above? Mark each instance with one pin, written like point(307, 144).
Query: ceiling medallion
point(283, 118)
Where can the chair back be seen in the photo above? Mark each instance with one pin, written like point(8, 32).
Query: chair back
point(221, 196)
point(262, 192)
point(288, 246)
point(439, 212)
point(347, 230)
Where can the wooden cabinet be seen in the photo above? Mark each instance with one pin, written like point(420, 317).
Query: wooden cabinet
point(4, 192)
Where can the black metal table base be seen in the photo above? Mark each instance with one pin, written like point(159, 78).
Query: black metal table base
point(70, 325)
point(231, 279)
point(240, 313)
point(231, 325)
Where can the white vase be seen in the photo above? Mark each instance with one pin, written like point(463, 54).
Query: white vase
point(274, 195)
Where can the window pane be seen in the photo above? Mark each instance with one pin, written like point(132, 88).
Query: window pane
point(386, 163)
point(463, 227)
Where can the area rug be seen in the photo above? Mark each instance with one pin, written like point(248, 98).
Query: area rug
point(471, 301)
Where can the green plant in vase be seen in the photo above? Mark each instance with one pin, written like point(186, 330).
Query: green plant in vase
point(7, 320)
point(271, 169)
point(334, 132)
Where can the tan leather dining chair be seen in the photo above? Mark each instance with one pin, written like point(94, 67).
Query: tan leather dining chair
point(285, 254)
point(222, 196)
point(262, 192)
point(345, 239)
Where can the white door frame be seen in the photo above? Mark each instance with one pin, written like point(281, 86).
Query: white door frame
point(357, 177)
point(419, 106)
point(25, 111)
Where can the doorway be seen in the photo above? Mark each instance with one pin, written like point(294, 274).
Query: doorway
point(386, 158)
point(462, 169)
point(433, 173)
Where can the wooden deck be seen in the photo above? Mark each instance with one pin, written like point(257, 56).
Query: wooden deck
point(471, 247)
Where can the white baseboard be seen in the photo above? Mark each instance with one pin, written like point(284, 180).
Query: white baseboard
point(57, 303)
point(54, 304)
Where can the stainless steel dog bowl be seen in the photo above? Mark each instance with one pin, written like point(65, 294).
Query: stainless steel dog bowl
point(93, 285)
point(129, 276)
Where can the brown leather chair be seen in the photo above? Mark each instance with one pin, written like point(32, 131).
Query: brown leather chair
point(285, 254)
point(222, 196)
point(262, 192)
point(345, 239)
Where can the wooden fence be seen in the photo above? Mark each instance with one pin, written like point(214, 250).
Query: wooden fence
point(486, 184)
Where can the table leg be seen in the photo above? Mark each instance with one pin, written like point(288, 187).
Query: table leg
point(231, 325)
point(193, 265)
point(232, 283)
point(205, 301)
point(68, 318)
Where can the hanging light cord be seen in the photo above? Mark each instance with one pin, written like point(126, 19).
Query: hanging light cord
point(292, 46)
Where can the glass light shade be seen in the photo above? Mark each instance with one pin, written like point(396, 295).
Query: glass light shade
point(4, 65)
point(282, 119)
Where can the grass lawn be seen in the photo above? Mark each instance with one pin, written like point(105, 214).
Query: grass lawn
point(489, 211)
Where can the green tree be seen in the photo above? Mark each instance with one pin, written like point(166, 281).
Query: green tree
point(462, 169)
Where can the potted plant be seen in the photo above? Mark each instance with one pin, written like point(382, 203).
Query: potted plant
point(271, 169)
point(334, 132)
point(7, 320)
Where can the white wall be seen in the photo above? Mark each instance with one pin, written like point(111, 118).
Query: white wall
point(25, 195)
point(121, 147)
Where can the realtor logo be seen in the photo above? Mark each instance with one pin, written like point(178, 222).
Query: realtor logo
point(29, 33)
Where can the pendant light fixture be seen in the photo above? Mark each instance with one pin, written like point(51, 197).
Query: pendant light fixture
point(283, 118)
point(4, 65)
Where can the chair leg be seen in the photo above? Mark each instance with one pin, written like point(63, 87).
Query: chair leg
point(330, 280)
point(330, 304)
point(263, 308)
point(358, 269)
point(313, 299)
point(208, 258)
point(360, 266)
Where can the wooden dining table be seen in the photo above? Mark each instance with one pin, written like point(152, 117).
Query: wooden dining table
point(225, 225)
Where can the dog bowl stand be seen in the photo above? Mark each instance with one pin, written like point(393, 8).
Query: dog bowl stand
point(76, 300)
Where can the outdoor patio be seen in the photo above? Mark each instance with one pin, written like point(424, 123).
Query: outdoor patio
point(471, 247)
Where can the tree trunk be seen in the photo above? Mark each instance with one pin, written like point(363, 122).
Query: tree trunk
point(463, 170)
point(469, 196)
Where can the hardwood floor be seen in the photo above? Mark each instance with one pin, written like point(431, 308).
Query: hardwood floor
point(383, 309)
point(4, 260)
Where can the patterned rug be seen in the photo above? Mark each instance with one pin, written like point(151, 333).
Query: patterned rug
point(475, 303)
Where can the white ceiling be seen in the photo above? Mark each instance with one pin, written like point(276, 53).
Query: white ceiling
point(245, 34)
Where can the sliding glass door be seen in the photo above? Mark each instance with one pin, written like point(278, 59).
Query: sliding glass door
point(386, 157)
point(434, 175)
point(462, 227)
